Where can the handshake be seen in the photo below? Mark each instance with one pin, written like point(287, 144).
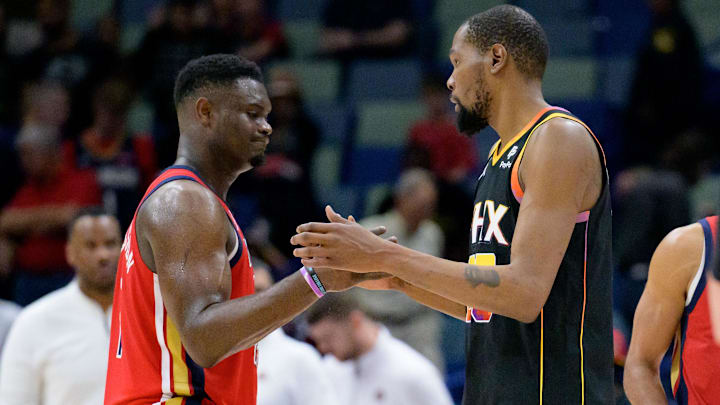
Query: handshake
point(343, 254)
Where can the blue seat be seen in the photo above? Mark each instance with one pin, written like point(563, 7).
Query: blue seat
point(617, 79)
point(288, 10)
point(624, 26)
point(373, 165)
point(376, 80)
point(344, 200)
point(334, 121)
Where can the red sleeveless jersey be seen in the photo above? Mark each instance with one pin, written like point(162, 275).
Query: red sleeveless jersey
point(695, 368)
point(147, 362)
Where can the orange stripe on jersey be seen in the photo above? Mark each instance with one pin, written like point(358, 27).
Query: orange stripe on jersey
point(180, 380)
point(496, 156)
point(515, 186)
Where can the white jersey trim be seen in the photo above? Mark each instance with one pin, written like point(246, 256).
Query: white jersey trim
point(160, 333)
point(696, 279)
point(237, 246)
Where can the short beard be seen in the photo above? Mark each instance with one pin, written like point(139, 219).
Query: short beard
point(473, 120)
point(257, 160)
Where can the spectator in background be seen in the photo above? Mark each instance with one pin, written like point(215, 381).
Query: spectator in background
point(295, 134)
point(7, 82)
point(434, 141)
point(667, 89)
point(290, 372)
point(57, 349)
point(285, 174)
point(367, 364)
point(8, 312)
point(410, 220)
point(45, 103)
point(249, 31)
point(366, 29)
point(161, 55)
point(35, 219)
point(124, 162)
point(65, 56)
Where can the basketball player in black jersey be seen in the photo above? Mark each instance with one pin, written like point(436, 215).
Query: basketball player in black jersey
point(537, 289)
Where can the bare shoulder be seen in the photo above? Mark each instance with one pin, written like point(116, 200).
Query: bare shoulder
point(681, 245)
point(179, 213)
point(679, 255)
point(178, 202)
point(564, 136)
point(562, 159)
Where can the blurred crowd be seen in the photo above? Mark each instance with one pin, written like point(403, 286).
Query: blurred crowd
point(87, 121)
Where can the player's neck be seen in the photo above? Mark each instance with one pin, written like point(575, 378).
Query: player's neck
point(218, 177)
point(102, 298)
point(369, 338)
point(514, 109)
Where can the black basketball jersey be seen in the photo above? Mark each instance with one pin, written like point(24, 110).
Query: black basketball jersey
point(566, 355)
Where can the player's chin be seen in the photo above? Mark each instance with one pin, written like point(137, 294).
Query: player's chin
point(257, 160)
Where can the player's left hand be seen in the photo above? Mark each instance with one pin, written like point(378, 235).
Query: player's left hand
point(341, 244)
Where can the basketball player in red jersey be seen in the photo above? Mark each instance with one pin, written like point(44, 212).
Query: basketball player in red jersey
point(713, 285)
point(185, 319)
point(536, 290)
point(675, 305)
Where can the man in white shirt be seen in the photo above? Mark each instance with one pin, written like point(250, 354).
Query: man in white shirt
point(367, 365)
point(56, 351)
point(410, 220)
point(8, 312)
point(290, 372)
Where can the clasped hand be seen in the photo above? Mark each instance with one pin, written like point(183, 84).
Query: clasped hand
point(341, 244)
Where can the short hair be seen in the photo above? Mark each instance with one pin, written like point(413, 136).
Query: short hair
point(518, 31)
point(337, 306)
point(93, 212)
point(213, 71)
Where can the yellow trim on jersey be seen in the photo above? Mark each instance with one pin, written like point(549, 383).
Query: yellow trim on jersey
point(549, 117)
point(542, 355)
point(181, 385)
point(174, 401)
point(496, 156)
point(675, 364)
point(530, 124)
point(494, 148)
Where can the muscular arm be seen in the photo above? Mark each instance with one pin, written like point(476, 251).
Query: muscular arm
point(562, 176)
point(185, 237)
point(432, 300)
point(713, 286)
point(658, 314)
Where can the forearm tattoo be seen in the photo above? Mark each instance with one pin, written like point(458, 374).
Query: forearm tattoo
point(476, 276)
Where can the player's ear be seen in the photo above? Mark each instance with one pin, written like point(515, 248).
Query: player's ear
point(203, 111)
point(498, 58)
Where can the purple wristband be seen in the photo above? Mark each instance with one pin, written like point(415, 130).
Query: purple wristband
point(310, 282)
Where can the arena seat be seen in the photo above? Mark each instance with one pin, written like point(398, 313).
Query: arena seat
point(302, 37)
point(385, 123)
point(389, 80)
point(570, 78)
point(319, 80)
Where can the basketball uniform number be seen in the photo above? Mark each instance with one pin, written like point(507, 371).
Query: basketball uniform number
point(480, 259)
